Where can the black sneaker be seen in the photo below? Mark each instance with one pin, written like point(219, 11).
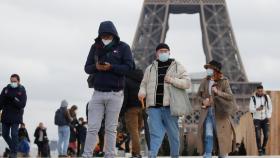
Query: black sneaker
point(263, 151)
point(260, 152)
point(136, 156)
point(13, 155)
point(7, 152)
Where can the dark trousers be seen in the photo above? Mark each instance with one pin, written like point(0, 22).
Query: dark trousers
point(261, 125)
point(10, 135)
point(81, 146)
point(40, 146)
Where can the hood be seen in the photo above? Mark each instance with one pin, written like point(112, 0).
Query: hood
point(108, 27)
point(136, 75)
point(64, 104)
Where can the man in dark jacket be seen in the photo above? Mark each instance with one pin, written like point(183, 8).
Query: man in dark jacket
point(133, 109)
point(12, 102)
point(108, 59)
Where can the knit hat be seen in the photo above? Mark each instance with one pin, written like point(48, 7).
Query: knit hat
point(64, 103)
point(161, 46)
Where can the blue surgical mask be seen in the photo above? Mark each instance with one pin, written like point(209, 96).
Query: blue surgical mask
point(210, 72)
point(163, 57)
point(14, 85)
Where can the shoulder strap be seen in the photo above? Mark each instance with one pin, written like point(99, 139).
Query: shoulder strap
point(254, 100)
point(266, 101)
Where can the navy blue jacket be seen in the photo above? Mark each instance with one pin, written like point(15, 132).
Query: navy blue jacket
point(118, 54)
point(12, 103)
point(132, 86)
point(81, 133)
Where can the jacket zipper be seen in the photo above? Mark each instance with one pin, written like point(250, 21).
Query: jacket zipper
point(155, 98)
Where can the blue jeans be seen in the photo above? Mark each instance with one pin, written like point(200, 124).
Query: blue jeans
point(161, 121)
point(209, 129)
point(63, 139)
point(12, 140)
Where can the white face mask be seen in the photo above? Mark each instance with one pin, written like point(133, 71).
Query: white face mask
point(210, 72)
point(14, 85)
point(106, 42)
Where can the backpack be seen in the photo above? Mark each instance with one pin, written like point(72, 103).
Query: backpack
point(266, 101)
point(91, 77)
point(59, 118)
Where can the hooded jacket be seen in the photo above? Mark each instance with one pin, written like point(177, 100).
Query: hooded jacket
point(12, 103)
point(62, 116)
point(117, 53)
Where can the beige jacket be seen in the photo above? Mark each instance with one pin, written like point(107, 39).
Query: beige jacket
point(148, 87)
point(225, 132)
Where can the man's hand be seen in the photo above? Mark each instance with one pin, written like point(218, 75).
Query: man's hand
point(269, 120)
point(206, 103)
point(215, 90)
point(260, 108)
point(141, 97)
point(168, 79)
point(105, 67)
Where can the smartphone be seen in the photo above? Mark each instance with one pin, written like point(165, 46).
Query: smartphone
point(102, 63)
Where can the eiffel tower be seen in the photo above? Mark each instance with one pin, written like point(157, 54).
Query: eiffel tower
point(218, 43)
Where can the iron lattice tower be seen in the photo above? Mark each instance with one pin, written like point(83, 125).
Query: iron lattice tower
point(218, 38)
point(218, 42)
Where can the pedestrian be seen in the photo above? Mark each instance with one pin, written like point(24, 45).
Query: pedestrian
point(63, 120)
point(22, 132)
point(41, 139)
point(261, 108)
point(72, 149)
point(215, 128)
point(81, 136)
point(12, 103)
point(108, 60)
point(163, 73)
point(133, 109)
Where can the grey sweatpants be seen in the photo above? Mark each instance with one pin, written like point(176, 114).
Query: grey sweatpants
point(108, 103)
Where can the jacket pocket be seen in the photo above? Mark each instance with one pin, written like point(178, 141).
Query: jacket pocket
point(119, 94)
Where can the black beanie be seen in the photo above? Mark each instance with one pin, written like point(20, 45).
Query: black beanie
point(162, 45)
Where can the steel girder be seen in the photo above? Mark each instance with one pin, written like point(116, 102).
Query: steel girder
point(218, 43)
point(218, 38)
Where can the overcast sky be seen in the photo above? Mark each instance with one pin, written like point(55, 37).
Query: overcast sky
point(47, 42)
